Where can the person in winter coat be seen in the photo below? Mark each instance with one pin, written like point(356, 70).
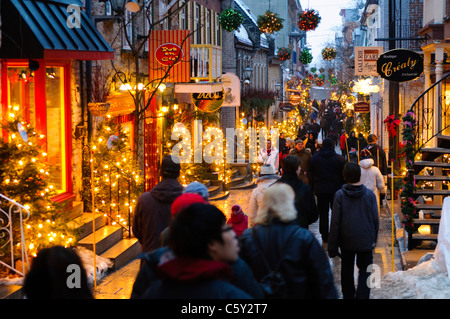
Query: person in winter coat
point(325, 171)
point(343, 144)
point(311, 142)
point(202, 247)
point(305, 156)
point(267, 176)
point(378, 154)
point(152, 212)
point(238, 220)
point(305, 266)
point(371, 176)
point(304, 197)
point(354, 230)
point(180, 203)
point(269, 155)
point(362, 142)
point(352, 147)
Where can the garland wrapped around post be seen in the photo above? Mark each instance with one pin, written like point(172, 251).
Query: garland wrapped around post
point(230, 19)
point(407, 199)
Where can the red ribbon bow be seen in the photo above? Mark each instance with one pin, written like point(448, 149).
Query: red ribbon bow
point(392, 122)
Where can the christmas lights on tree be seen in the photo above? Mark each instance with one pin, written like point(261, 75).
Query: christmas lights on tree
point(24, 178)
point(230, 19)
point(270, 22)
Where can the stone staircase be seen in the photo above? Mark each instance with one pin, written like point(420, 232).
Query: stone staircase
point(430, 199)
point(110, 240)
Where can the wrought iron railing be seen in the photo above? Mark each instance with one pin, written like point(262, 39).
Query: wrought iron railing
point(206, 62)
point(435, 98)
point(6, 233)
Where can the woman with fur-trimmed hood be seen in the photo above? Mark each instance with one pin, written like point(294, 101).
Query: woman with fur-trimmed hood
point(305, 266)
point(267, 176)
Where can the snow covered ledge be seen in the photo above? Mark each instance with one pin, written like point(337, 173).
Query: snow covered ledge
point(430, 279)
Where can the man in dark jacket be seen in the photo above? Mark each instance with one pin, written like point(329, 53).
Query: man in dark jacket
point(325, 172)
point(304, 197)
point(152, 213)
point(354, 229)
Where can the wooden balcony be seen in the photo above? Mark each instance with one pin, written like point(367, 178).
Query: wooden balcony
point(206, 62)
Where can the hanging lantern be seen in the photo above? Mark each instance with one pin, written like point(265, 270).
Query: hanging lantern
point(305, 57)
point(230, 19)
point(270, 22)
point(308, 20)
point(284, 54)
point(328, 53)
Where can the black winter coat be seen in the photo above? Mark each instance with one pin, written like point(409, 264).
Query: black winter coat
point(304, 200)
point(152, 213)
point(305, 267)
point(325, 171)
point(354, 220)
point(148, 275)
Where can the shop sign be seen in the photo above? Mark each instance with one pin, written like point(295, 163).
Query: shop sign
point(232, 87)
point(366, 60)
point(208, 102)
point(169, 53)
point(362, 107)
point(400, 65)
point(286, 107)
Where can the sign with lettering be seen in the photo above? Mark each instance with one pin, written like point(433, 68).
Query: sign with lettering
point(169, 55)
point(362, 107)
point(232, 87)
point(400, 65)
point(208, 102)
point(286, 107)
point(366, 60)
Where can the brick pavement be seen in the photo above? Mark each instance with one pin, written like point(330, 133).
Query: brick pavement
point(118, 285)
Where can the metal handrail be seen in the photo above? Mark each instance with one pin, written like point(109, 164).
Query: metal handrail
point(7, 228)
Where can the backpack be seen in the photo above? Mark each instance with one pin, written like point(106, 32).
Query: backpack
point(273, 284)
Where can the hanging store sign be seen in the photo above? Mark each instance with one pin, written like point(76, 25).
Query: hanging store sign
point(232, 87)
point(366, 60)
point(286, 107)
point(208, 102)
point(400, 65)
point(169, 59)
point(362, 107)
point(169, 54)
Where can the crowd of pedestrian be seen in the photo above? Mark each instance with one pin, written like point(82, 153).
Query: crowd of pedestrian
point(191, 249)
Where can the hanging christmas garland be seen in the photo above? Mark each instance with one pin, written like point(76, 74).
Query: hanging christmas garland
point(308, 20)
point(407, 199)
point(270, 22)
point(230, 19)
point(284, 53)
point(305, 57)
point(328, 53)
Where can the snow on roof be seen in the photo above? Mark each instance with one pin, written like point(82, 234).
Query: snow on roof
point(242, 35)
point(239, 34)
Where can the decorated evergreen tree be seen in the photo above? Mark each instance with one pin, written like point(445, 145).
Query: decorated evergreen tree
point(24, 178)
point(116, 179)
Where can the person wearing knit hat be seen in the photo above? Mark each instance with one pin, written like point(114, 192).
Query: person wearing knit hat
point(152, 213)
point(238, 220)
point(181, 202)
point(267, 176)
point(197, 188)
point(371, 176)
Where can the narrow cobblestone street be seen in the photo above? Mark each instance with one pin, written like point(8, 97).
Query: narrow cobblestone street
point(118, 285)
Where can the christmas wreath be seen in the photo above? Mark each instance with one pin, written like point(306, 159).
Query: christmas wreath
point(308, 20)
point(305, 56)
point(230, 19)
point(329, 53)
point(270, 22)
point(284, 54)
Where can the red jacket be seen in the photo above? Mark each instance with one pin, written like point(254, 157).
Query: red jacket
point(239, 222)
point(342, 141)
